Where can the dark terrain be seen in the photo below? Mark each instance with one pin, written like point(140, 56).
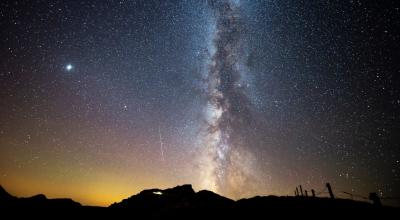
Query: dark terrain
point(183, 201)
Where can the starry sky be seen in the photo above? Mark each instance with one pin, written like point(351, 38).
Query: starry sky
point(102, 99)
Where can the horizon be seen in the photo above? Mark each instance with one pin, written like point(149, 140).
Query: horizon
point(106, 203)
point(109, 203)
point(100, 100)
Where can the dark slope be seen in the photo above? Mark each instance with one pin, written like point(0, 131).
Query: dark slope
point(4, 195)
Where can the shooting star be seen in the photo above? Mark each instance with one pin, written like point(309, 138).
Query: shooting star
point(161, 144)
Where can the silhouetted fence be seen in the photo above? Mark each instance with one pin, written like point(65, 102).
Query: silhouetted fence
point(373, 197)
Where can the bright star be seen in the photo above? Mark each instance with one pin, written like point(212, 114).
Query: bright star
point(69, 67)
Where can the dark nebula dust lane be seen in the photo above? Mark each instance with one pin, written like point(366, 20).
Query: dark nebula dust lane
point(242, 97)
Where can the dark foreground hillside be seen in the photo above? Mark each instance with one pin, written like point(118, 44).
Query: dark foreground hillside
point(183, 201)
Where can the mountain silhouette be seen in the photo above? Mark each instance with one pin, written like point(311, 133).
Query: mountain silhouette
point(40, 201)
point(174, 201)
point(183, 202)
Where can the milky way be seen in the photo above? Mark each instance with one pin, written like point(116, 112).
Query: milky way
point(227, 166)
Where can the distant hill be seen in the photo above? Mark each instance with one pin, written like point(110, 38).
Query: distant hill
point(40, 201)
point(183, 201)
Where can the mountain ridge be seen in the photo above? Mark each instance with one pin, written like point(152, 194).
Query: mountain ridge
point(183, 201)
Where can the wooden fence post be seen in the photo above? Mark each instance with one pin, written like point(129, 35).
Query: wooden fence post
point(330, 190)
point(301, 191)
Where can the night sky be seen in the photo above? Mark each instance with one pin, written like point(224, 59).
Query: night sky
point(102, 99)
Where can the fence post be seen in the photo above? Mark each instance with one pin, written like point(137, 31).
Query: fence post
point(330, 190)
point(301, 191)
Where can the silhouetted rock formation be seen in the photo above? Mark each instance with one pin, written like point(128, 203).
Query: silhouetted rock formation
point(180, 199)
